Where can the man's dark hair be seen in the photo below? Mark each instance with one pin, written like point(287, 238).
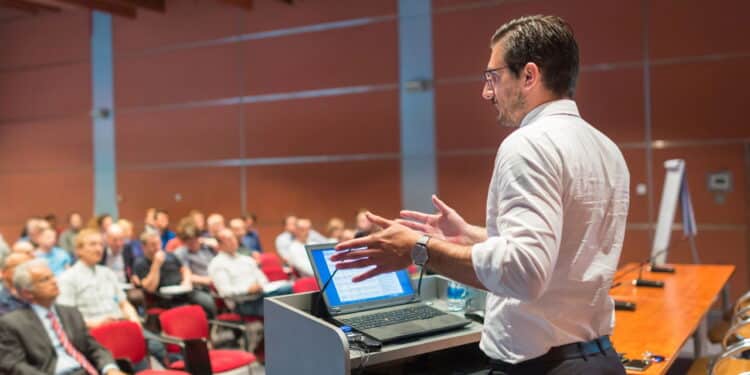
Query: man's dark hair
point(547, 41)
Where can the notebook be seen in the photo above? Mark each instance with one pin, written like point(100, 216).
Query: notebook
point(384, 307)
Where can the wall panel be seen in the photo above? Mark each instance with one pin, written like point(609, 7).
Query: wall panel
point(178, 135)
point(346, 124)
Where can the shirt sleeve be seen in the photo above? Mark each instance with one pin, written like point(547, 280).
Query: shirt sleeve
point(518, 261)
point(67, 288)
point(223, 283)
point(141, 268)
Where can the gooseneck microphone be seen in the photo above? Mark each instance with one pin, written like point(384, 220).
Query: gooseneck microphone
point(640, 281)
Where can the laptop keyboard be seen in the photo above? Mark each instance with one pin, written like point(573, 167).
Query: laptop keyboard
point(391, 317)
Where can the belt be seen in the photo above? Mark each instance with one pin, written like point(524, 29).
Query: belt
point(561, 353)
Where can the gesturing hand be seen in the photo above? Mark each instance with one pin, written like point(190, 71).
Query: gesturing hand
point(388, 250)
point(446, 224)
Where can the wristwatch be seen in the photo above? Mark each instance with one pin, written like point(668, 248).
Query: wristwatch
point(419, 254)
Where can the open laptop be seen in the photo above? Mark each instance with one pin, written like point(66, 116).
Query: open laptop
point(384, 307)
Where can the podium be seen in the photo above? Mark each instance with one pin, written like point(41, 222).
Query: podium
point(297, 342)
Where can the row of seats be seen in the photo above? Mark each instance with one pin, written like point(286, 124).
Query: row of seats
point(733, 333)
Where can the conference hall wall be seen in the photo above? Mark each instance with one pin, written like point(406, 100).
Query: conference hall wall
point(296, 109)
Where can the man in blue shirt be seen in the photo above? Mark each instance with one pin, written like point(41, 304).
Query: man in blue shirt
point(58, 259)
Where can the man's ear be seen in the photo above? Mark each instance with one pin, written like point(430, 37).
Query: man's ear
point(531, 75)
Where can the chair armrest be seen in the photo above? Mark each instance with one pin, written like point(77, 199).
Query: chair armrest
point(734, 332)
point(232, 325)
point(166, 339)
point(125, 365)
point(732, 351)
point(745, 298)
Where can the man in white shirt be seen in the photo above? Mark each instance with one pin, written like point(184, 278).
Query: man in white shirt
point(238, 278)
point(556, 214)
point(297, 257)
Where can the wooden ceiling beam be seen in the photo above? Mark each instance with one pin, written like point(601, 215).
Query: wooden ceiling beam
point(155, 5)
point(27, 6)
point(114, 8)
point(244, 4)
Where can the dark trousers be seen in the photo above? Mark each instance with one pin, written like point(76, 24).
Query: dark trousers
point(594, 357)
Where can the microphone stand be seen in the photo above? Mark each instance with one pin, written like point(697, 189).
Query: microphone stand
point(640, 281)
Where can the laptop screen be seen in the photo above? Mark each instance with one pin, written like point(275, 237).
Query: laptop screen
point(342, 291)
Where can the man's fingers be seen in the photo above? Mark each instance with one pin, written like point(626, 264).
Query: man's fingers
point(440, 205)
point(378, 220)
point(358, 263)
point(415, 215)
point(354, 254)
point(354, 243)
point(414, 225)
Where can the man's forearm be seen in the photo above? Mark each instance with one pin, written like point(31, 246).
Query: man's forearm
point(475, 234)
point(453, 261)
point(151, 281)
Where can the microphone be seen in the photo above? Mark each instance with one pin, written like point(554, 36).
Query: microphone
point(639, 281)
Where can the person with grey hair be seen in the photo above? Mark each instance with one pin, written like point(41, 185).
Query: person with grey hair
point(556, 213)
point(8, 296)
point(23, 246)
point(46, 337)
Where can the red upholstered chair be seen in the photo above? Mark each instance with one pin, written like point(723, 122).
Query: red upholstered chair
point(190, 326)
point(305, 284)
point(267, 259)
point(274, 272)
point(125, 340)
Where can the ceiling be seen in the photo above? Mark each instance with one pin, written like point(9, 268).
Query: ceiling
point(120, 8)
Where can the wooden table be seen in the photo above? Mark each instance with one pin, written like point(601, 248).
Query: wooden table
point(665, 317)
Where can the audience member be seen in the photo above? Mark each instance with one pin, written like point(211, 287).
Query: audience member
point(251, 240)
point(23, 246)
point(238, 278)
point(67, 237)
point(297, 256)
point(95, 289)
point(192, 253)
point(114, 256)
point(364, 225)
point(149, 222)
point(162, 225)
point(33, 228)
point(200, 221)
point(57, 258)
point(158, 269)
point(48, 338)
point(237, 226)
point(334, 229)
point(9, 300)
point(285, 238)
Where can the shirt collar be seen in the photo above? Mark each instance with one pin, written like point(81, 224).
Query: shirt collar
point(41, 310)
point(83, 266)
point(555, 107)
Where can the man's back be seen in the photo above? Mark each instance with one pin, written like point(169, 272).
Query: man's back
point(559, 198)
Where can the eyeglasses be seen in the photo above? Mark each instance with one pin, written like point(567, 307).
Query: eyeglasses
point(491, 76)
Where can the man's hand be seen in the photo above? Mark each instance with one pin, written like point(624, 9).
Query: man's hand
point(159, 258)
point(388, 250)
point(115, 371)
point(446, 224)
point(255, 289)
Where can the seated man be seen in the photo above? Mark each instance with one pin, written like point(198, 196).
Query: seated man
point(297, 256)
point(23, 246)
point(9, 300)
point(251, 240)
point(57, 258)
point(47, 338)
point(157, 269)
point(193, 254)
point(237, 226)
point(238, 277)
point(96, 291)
point(113, 255)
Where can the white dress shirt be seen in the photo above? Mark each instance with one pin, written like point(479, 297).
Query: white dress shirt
point(234, 274)
point(95, 291)
point(299, 260)
point(556, 212)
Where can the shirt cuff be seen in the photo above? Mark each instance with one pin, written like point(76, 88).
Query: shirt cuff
point(485, 257)
point(108, 367)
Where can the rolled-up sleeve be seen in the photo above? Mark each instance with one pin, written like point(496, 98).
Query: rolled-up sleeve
point(518, 257)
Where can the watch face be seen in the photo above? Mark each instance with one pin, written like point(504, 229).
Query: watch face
point(419, 255)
